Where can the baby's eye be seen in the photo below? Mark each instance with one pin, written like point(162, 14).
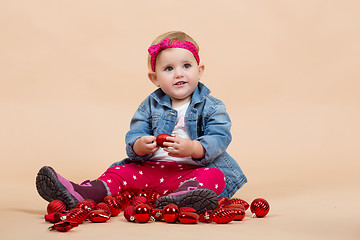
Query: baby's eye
point(187, 65)
point(168, 69)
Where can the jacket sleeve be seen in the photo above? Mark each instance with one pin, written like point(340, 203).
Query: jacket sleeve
point(217, 135)
point(140, 125)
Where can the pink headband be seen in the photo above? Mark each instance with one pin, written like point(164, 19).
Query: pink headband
point(164, 44)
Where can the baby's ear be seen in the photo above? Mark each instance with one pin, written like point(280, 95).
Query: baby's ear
point(153, 78)
point(201, 69)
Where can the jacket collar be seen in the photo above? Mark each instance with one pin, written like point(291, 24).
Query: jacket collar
point(200, 93)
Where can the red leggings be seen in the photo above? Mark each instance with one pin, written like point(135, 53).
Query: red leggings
point(161, 176)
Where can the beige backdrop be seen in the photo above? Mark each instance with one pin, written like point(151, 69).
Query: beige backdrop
point(72, 73)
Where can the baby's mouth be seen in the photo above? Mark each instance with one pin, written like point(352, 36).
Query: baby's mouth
point(180, 83)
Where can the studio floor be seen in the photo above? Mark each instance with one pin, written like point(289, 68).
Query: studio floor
point(72, 74)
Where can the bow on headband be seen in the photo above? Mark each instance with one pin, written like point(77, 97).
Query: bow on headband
point(164, 44)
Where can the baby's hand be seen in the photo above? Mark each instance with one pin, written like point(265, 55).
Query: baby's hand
point(181, 147)
point(145, 145)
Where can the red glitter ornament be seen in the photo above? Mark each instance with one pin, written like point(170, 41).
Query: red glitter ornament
point(84, 205)
point(188, 217)
point(259, 207)
point(98, 216)
point(222, 215)
point(114, 205)
point(63, 226)
point(237, 201)
point(77, 215)
point(170, 213)
point(56, 206)
point(205, 216)
point(103, 206)
point(129, 213)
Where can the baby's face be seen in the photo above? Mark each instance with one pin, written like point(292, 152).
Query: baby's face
point(177, 74)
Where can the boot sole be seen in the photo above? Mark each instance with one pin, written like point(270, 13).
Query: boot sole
point(50, 188)
point(201, 199)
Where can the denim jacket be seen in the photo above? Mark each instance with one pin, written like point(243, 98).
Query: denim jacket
point(206, 120)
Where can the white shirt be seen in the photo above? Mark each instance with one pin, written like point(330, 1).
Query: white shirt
point(161, 155)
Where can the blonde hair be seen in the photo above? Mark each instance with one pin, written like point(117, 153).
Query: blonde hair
point(173, 36)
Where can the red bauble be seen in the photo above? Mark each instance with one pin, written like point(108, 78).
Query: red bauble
point(205, 216)
point(259, 207)
point(129, 213)
point(56, 206)
point(239, 209)
point(103, 206)
point(161, 138)
point(170, 213)
point(77, 215)
point(121, 199)
point(188, 217)
point(156, 213)
point(139, 200)
point(142, 213)
point(54, 217)
point(98, 216)
point(237, 201)
point(153, 196)
point(187, 209)
point(236, 206)
point(63, 226)
point(92, 203)
point(223, 215)
point(128, 196)
point(222, 201)
point(144, 194)
point(84, 205)
point(114, 205)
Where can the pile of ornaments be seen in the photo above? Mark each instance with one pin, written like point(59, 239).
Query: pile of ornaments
point(139, 206)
